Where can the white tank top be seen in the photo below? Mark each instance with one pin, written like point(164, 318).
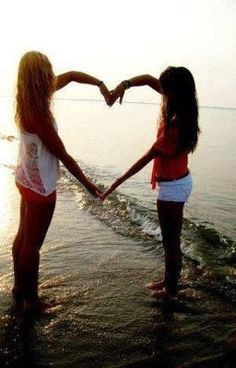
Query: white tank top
point(37, 168)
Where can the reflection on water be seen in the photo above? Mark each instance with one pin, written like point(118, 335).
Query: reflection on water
point(5, 204)
point(19, 334)
point(96, 277)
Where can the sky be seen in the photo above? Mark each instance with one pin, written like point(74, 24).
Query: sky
point(115, 40)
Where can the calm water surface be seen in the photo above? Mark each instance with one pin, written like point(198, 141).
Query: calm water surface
point(97, 257)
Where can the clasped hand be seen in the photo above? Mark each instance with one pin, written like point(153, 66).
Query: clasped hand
point(111, 96)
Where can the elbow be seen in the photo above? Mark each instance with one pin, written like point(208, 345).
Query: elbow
point(148, 78)
point(71, 76)
point(60, 153)
point(64, 157)
point(154, 152)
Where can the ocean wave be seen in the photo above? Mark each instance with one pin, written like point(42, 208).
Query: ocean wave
point(124, 213)
point(118, 211)
point(211, 253)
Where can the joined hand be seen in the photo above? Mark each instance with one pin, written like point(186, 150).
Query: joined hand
point(111, 96)
point(116, 93)
point(103, 195)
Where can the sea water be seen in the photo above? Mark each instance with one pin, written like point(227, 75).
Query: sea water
point(97, 256)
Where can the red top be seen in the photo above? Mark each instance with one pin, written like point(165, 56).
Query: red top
point(168, 164)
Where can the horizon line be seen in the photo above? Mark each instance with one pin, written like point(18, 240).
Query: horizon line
point(128, 102)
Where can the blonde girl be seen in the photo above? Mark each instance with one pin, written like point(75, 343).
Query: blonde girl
point(40, 150)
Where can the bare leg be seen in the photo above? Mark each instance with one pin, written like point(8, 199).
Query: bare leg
point(38, 217)
point(171, 218)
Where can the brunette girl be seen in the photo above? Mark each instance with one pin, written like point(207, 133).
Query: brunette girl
point(177, 136)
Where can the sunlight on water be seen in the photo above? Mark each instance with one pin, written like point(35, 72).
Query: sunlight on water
point(5, 207)
point(97, 257)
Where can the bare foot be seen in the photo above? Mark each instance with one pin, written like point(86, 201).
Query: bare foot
point(36, 306)
point(159, 285)
point(162, 294)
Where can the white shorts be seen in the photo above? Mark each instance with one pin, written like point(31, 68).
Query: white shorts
point(176, 190)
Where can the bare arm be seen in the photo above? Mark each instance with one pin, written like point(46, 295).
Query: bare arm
point(145, 80)
point(139, 165)
point(140, 80)
point(63, 79)
point(53, 142)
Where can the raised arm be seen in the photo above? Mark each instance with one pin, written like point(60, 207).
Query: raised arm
point(63, 79)
point(139, 165)
point(53, 142)
point(140, 80)
point(143, 80)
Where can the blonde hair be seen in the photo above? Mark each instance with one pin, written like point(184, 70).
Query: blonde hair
point(35, 86)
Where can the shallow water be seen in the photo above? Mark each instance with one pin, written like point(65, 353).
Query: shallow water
point(102, 312)
point(97, 257)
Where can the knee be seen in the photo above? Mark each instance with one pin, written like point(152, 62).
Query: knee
point(29, 254)
point(39, 243)
point(171, 242)
point(17, 243)
point(33, 245)
point(30, 247)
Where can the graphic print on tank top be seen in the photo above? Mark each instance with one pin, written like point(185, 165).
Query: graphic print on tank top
point(37, 169)
point(33, 181)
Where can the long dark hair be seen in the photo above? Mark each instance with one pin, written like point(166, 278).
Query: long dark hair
point(180, 105)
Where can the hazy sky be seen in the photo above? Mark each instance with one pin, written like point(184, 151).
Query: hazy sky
point(114, 40)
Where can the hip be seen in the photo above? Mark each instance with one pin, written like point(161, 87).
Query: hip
point(176, 190)
point(31, 196)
